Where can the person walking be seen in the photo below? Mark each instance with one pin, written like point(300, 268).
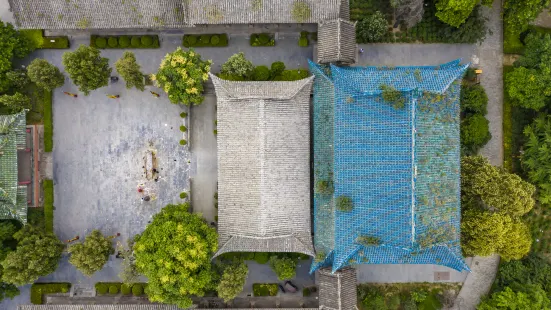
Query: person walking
point(70, 94)
point(113, 96)
point(155, 94)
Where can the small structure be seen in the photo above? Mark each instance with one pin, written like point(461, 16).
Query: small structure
point(13, 197)
point(337, 42)
point(264, 166)
point(337, 291)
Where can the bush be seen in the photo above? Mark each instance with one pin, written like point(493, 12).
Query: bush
point(126, 289)
point(267, 289)
point(372, 28)
point(183, 142)
point(101, 288)
point(183, 128)
point(101, 42)
point(137, 289)
point(344, 203)
point(124, 41)
point(183, 115)
point(284, 267)
point(48, 187)
point(183, 195)
point(146, 40)
point(263, 38)
point(535, 159)
point(277, 68)
point(261, 73)
point(473, 99)
point(475, 133)
point(135, 42)
point(214, 40)
point(48, 122)
point(112, 42)
point(261, 257)
point(237, 65)
point(303, 42)
point(204, 39)
point(306, 292)
point(292, 75)
point(113, 289)
point(39, 289)
point(192, 40)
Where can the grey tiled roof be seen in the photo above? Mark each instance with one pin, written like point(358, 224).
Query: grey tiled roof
point(337, 42)
point(337, 291)
point(264, 166)
point(166, 14)
point(126, 307)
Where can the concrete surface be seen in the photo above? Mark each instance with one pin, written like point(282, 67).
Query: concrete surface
point(5, 14)
point(386, 54)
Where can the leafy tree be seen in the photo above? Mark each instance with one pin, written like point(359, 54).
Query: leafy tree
point(129, 69)
point(484, 233)
point(45, 75)
point(527, 88)
point(518, 274)
point(129, 273)
point(17, 78)
point(7, 245)
point(494, 189)
point(519, 13)
point(284, 267)
point(537, 51)
point(174, 253)
point(87, 68)
point(16, 102)
point(473, 99)
point(410, 12)
point(238, 65)
point(8, 290)
point(372, 28)
point(454, 12)
point(12, 44)
point(181, 76)
point(276, 69)
point(37, 255)
point(475, 133)
point(534, 298)
point(536, 157)
point(91, 255)
point(232, 281)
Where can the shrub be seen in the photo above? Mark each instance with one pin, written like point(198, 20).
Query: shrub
point(48, 188)
point(306, 292)
point(126, 289)
point(267, 289)
point(204, 39)
point(303, 42)
point(183, 195)
point(301, 11)
point(101, 42)
point(535, 159)
point(263, 38)
point(473, 99)
point(261, 257)
point(137, 289)
point(102, 288)
point(238, 65)
point(475, 133)
point(112, 42)
point(261, 73)
point(277, 68)
point(284, 267)
point(232, 281)
point(292, 75)
point(183, 142)
point(135, 42)
point(192, 39)
point(39, 289)
point(124, 41)
point(183, 128)
point(130, 71)
point(527, 88)
point(372, 28)
point(344, 203)
point(214, 40)
point(48, 122)
point(183, 115)
point(113, 289)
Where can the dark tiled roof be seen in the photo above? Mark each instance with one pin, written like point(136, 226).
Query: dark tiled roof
point(337, 290)
point(337, 42)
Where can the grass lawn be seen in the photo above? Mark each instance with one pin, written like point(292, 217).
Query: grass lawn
point(40, 41)
point(404, 292)
point(265, 289)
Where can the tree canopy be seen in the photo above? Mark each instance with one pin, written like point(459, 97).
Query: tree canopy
point(87, 68)
point(372, 28)
point(284, 267)
point(129, 70)
point(536, 159)
point(238, 65)
point(519, 13)
point(174, 253)
point(12, 44)
point(91, 255)
point(232, 281)
point(7, 245)
point(532, 298)
point(16, 102)
point(45, 75)
point(454, 12)
point(181, 76)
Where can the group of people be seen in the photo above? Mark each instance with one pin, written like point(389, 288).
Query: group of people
point(156, 95)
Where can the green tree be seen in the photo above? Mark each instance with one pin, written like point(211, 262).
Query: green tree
point(7, 245)
point(16, 102)
point(18, 79)
point(232, 281)
point(37, 255)
point(536, 159)
point(284, 267)
point(238, 65)
point(475, 133)
point(91, 255)
point(537, 51)
point(493, 188)
point(372, 28)
point(87, 68)
point(12, 44)
point(454, 12)
point(517, 14)
point(174, 253)
point(527, 88)
point(181, 76)
point(45, 75)
point(484, 233)
point(473, 99)
point(533, 298)
point(129, 69)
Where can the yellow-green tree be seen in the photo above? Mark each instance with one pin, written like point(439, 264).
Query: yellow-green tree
point(232, 281)
point(91, 255)
point(174, 253)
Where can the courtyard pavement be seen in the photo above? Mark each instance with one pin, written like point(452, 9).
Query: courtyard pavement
point(385, 54)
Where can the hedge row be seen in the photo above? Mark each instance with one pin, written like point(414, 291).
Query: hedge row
point(147, 41)
point(48, 187)
point(39, 289)
point(262, 39)
point(113, 288)
point(48, 122)
point(205, 40)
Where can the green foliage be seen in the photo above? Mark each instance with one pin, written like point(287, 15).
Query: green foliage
point(372, 28)
point(533, 298)
point(18, 78)
point(12, 44)
point(55, 43)
point(303, 41)
point(261, 257)
point(124, 41)
point(183, 128)
point(368, 240)
point(87, 69)
point(183, 115)
point(324, 187)
point(262, 39)
point(261, 73)
point(374, 301)
point(130, 71)
point(135, 42)
point(16, 102)
point(45, 75)
point(238, 65)
point(475, 133)
point(39, 289)
point(535, 159)
point(277, 68)
point(184, 243)
point(454, 12)
point(101, 42)
point(393, 96)
point(48, 122)
point(265, 289)
point(527, 88)
point(137, 290)
point(517, 14)
point(484, 186)
point(48, 189)
point(181, 76)
point(537, 51)
point(473, 99)
point(113, 41)
point(232, 281)
point(518, 274)
point(37, 255)
point(126, 289)
point(102, 288)
point(8, 291)
point(146, 41)
point(183, 195)
point(183, 142)
point(128, 274)
point(216, 40)
point(91, 255)
point(484, 233)
point(344, 203)
point(301, 11)
point(285, 268)
point(113, 289)
point(292, 75)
